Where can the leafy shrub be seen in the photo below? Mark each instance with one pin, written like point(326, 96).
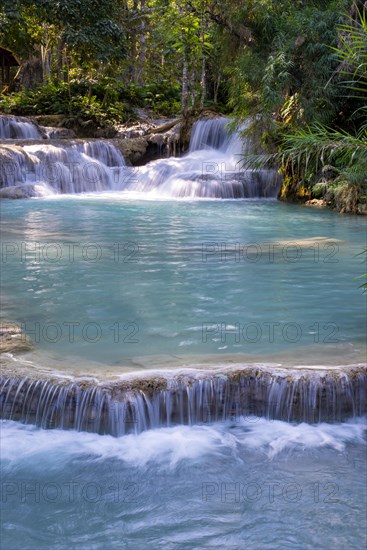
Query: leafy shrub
point(104, 103)
point(79, 101)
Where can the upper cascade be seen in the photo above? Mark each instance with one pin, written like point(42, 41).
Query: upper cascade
point(211, 169)
point(14, 128)
point(213, 134)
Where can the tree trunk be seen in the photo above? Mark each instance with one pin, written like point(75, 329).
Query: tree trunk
point(29, 75)
point(133, 39)
point(203, 83)
point(46, 62)
point(192, 87)
point(142, 45)
point(59, 60)
point(203, 64)
point(216, 88)
point(185, 85)
point(65, 66)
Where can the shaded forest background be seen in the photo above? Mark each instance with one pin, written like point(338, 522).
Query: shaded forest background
point(297, 67)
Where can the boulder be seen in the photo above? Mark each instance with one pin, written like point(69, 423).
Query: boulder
point(133, 149)
point(49, 120)
point(53, 132)
point(24, 191)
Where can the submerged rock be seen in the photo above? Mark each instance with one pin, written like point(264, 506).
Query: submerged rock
point(12, 338)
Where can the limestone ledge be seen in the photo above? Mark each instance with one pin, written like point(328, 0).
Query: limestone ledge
point(149, 382)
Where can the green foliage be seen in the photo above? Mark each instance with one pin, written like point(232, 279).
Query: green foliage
point(331, 163)
point(104, 102)
point(287, 65)
point(352, 52)
point(74, 102)
point(312, 148)
point(309, 151)
point(161, 97)
point(49, 100)
point(88, 28)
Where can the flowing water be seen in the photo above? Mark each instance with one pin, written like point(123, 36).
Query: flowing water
point(211, 169)
point(188, 396)
point(14, 128)
point(166, 338)
point(251, 484)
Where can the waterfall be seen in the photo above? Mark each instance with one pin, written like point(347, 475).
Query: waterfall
point(212, 134)
point(47, 169)
point(156, 400)
point(210, 169)
point(16, 128)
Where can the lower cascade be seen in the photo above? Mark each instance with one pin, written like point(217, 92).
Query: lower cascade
point(48, 169)
point(210, 169)
point(137, 403)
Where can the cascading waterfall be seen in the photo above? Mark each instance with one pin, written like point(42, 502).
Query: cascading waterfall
point(212, 134)
point(48, 169)
point(15, 128)
point(141, 403)
point(211, 168)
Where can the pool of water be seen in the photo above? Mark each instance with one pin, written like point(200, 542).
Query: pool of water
point(250, 484)
point(106, 280)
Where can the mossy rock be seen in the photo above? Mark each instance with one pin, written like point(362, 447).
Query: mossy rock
point(49, 120)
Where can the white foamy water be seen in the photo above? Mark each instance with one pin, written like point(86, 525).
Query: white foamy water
point(169, 446)
point(250, 484)
point(211, 169)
